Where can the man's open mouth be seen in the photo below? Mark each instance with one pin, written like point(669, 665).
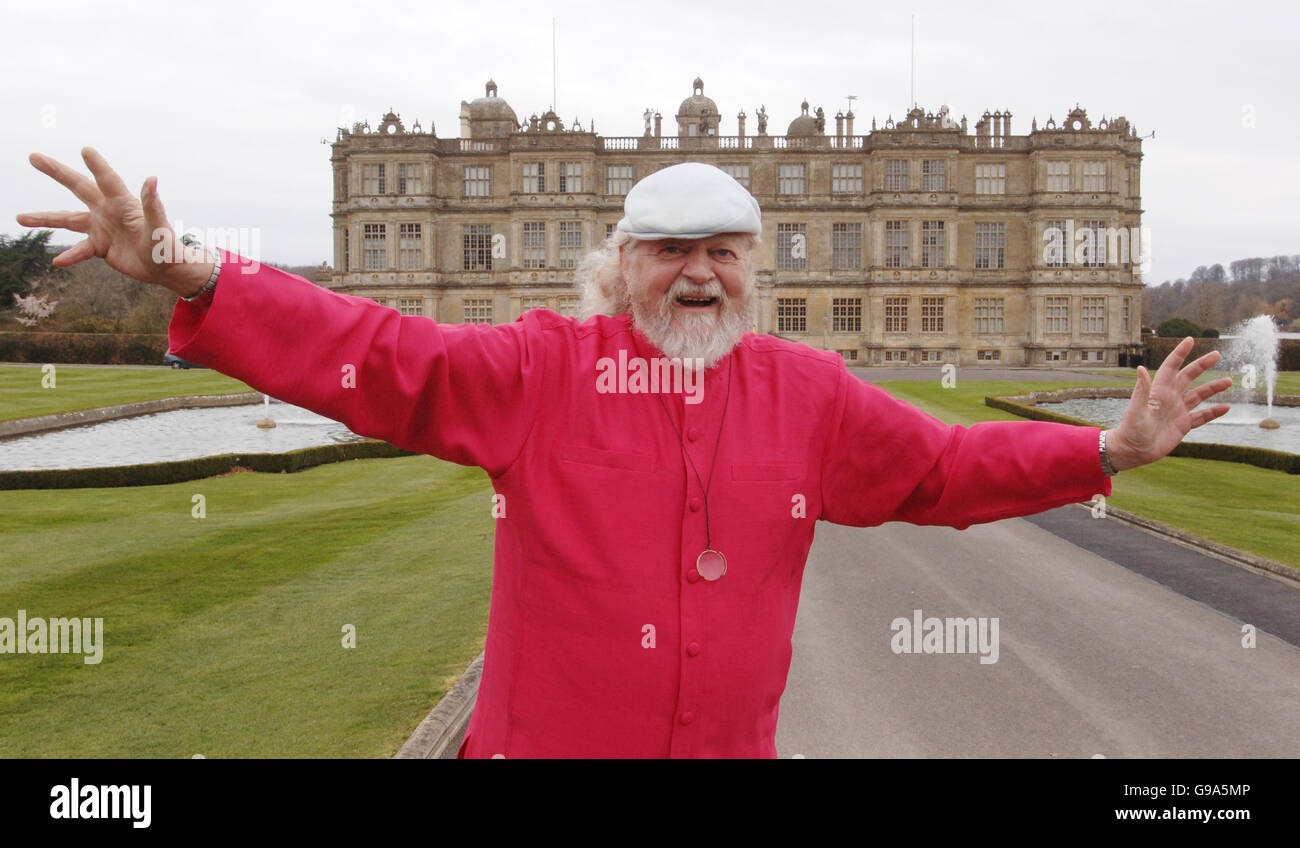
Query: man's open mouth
point(696, 302)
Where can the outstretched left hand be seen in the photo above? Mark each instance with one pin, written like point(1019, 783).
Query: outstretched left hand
point(1162, 411)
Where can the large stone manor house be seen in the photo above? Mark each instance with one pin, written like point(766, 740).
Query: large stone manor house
point(924, 240)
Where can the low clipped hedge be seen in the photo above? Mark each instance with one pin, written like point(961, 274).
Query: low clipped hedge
point(1154, 351)
point(179, 471)
point(84, 348)
point(1260, 457)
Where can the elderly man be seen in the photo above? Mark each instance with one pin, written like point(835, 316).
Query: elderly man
point(648, 564)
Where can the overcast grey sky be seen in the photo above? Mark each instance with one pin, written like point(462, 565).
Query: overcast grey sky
point(227, 102)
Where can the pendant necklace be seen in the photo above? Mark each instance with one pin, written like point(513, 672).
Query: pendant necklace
point(710, 564)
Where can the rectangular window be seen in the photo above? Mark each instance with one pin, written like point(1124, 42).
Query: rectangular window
point(570, 243)
point(618, 179)
point(1057, 243)
point(410, 246)
point(988, 314)
point(1092, 243)
point(849, 355)
point(846, 246)
point(895, 175)
point(532, 303)
point(1128, 304)
point(932, 356)
point(534, 177)
point(988, 355)
point(410, 306)
point(1094, 315)
point(846, 315)
point(478, 181)
point(1058, 315)
point(534, 244)
point(990, 179)
point(375, 247)
point(791, 315)
point(478, 311)
point(896, 356)
point(792, 179)
point(792, 247)
point(408, 179)
point(1094, 176)
point(1058, 176)
point(846, 179)
point(932, 244)
point(1057, 356)
point(739, 173)
point(347, 251)
point(571, 177)
point(609, 230)
point(372, 179)
point(568, 306)
point(895, 315)
point(931, 315)
point(477, 242)
point(990, 245)
point(896, 245)
point(934, 175)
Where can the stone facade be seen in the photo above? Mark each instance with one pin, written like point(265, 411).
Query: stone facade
point(920, 242)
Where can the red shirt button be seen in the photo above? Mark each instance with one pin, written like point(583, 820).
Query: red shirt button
point(687, 718)
point(693, 649)
point(696, 503)
point(693, 433)
point(693, 576)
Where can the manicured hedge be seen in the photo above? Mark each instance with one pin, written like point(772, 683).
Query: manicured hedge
point(159, 473)
point(84, 348)
point(1154, 351)
point(1261, 457)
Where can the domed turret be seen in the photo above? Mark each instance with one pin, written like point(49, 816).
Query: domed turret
point(488, 116)
point(698, 115)
point(804, 125)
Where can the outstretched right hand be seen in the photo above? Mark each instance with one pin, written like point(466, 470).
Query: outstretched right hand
point(132, 235)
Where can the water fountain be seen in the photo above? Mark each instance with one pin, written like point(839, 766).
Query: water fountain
point(267, 422)
point(1254, 351)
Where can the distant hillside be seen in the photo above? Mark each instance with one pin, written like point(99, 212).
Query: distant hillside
point(1213, 297)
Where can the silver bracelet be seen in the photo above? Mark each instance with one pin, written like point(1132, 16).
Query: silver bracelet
point(1106, 467)
point(210, 284)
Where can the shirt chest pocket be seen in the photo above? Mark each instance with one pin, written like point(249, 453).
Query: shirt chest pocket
point(767, 472)
point(581, 458)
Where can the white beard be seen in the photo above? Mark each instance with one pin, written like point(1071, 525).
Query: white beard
point(689, 337)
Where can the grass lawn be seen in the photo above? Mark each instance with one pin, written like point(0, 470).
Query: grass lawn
point(223, 635)
point(1254, 509)
point(76, 387)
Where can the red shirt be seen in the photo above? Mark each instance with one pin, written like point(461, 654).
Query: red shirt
point(602, 638)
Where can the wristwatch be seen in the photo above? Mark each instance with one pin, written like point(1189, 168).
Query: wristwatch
point(1106, 467)
point(211, 284)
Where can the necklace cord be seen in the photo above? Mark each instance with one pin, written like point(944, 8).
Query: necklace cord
point(708, 537)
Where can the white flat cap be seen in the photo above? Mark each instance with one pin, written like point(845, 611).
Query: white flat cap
point(690, 200)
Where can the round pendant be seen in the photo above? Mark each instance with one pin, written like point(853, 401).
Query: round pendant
point(711, 564)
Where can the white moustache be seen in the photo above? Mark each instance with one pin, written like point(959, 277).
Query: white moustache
point(683, 287)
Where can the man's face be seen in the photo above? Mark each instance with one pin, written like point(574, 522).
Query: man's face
point(693, 298)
